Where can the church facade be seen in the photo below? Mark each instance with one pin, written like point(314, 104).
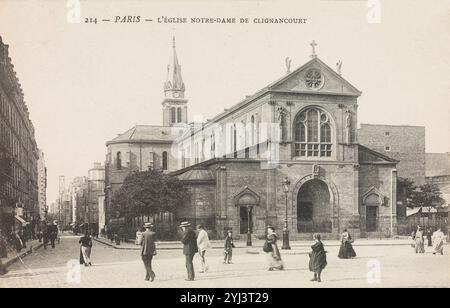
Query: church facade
point(287, 156)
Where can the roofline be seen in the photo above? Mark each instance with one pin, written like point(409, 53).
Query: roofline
point(389, 159)
point(367, 124)
point(140, 141)
point(269, 89)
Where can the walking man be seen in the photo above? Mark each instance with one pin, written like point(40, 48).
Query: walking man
point(190, 248)
point(52, 233)
point(203, 245)
point(147, 241)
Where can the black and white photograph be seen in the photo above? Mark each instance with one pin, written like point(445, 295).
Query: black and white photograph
point(227, 145)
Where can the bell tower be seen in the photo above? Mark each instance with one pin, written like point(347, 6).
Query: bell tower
point(174, 103)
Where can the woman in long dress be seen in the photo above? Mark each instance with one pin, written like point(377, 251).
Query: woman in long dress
point(418, 239)
point(346, 250)
point(85, 249)
point(272, 251)
point(438, 241)
point(317, 258)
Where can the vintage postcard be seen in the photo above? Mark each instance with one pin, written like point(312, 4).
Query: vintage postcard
point(224, 144)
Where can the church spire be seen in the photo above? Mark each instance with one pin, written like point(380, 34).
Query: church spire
point(174, 85)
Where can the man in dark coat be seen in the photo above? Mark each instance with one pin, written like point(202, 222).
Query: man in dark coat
point(52, 233)
point(190, 248)
point(148, 250)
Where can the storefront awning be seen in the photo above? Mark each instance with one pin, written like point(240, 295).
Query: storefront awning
point(22, 221)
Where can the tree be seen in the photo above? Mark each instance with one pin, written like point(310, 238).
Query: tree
point(406, 188)
point(149, 193)
point(428, 195)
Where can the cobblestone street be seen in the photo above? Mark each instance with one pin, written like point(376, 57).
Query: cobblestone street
point(399, 267)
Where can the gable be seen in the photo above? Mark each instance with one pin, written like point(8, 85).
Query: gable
point(332, 82)
point(368, 156)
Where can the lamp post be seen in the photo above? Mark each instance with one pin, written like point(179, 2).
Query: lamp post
point(249, 231)
point(285, 183)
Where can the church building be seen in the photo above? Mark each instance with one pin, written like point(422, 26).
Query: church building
point(287, 156)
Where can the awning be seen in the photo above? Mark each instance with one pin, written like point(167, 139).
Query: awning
point(22, 221)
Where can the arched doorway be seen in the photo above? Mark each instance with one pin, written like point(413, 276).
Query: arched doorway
point(314, 207)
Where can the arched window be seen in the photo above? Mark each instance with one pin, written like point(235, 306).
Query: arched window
point(173, 115)
point(213, 146)
point(119, 160)
point(252, 131)
point(164, 160)
point(179, 115)
point(312, 130)
point(234, 138)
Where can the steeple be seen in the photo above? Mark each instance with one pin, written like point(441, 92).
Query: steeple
point(174, 85)
point(174, 103)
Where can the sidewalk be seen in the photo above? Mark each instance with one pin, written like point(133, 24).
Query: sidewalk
point(13, 256)
point(296, 246)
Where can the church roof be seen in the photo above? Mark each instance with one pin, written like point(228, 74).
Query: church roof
point(146, 133)
point(369, 156)
point(347, 89)
point(197, 175)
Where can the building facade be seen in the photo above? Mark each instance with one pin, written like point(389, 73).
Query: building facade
point(403, 143)
point(286, 156)
point(18, 152)
point(42, 184)
point(96, 186)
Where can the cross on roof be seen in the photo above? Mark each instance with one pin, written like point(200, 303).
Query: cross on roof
point(313, 45)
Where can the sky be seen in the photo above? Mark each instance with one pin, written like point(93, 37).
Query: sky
point(85, 83)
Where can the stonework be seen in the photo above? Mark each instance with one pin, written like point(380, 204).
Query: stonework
point(302, 128)
point(403, 143)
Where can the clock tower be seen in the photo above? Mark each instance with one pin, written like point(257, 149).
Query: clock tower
point(174, 103)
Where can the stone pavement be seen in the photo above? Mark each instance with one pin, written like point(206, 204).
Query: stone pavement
point(14, 256)
point(257, 244)
point(375, 266)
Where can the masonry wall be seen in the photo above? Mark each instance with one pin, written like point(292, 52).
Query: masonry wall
point(406, 144)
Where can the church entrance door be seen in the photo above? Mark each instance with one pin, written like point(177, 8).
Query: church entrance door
point(244, 220)
point(314, 207)
point(371, 218)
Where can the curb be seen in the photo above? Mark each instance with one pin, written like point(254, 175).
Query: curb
point(21, 255)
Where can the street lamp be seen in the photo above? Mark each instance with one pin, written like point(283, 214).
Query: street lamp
point(249, 231)
point(285, 184)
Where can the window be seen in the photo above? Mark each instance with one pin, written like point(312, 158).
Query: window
point(179, 115)
point(164, 160)
point(312, 130)
point(387, 148)
point(252, 131)
point(213, 146)
point(119, 160)
point(173, 115)
point(387, 134)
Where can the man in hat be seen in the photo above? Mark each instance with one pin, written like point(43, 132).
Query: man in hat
point(148, 250)
point(189, 240)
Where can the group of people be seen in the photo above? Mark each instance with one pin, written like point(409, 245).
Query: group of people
point(199, 243)
point(435, 240)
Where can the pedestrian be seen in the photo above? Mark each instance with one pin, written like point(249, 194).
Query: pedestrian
point(346, 250)
point(139, 233)
point(419, 242)
point(429, 235)
point(148, 251)
point(203, 245)
point(189, 240)
point(45, 235)
point(52, 233)
point(317, 258)
point(438, 241)
point(229, 245)
point(86, 247)
point(272, 251)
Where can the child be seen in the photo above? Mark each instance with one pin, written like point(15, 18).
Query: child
point(318, 258)
point(229, 245)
